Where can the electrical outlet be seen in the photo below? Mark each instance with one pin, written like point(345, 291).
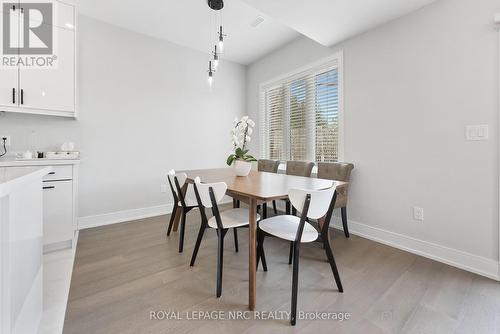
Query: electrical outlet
point(418, 213)
point(163, 188)
point(7, 142)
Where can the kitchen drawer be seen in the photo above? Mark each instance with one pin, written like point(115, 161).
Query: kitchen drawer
point(57, 211)
point(60, 173)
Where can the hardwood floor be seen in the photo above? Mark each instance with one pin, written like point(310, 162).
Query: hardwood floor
point(125, 271)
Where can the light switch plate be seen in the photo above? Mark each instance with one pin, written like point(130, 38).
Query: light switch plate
point(477, 132)
point(418, 213)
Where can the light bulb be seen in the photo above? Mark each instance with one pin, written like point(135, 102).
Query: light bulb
point(210, 79)
point(216, 63)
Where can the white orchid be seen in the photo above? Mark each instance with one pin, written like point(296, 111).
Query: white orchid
point(240, 136)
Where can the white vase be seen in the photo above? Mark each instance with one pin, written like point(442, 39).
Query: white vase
point(242, 168)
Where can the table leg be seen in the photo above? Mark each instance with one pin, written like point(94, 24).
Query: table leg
point(178, 213)
point(252, 254)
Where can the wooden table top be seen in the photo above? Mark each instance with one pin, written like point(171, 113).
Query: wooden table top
point(259, 185)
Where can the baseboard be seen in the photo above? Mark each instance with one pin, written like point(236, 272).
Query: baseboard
point(453, 257)
point(57, 246)
point(123, 216)
point(127, 215)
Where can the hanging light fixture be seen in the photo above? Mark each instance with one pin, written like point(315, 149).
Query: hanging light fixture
point(221, 39)
point(213, 64)
point(216, 57)
point(210, 74)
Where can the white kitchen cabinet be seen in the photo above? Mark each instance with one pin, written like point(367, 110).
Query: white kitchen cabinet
point(8, 75)
point(58, 212)
point(51, 89)
point(46, 90)
point(60, 191)
point(8, 88)
point(63, 15)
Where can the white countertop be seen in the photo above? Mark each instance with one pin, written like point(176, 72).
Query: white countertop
point(13, 177)
point(10, 161)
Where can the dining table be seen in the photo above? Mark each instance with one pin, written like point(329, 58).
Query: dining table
point(255, 189)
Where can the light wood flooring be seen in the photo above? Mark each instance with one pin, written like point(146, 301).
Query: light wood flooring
point(122, 272)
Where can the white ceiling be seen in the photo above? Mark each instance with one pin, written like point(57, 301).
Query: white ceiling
point(331, 21)
point(187, 23)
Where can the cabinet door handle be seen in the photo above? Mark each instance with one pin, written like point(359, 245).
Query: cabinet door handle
point(22, 96)
point(52, 173)
point(13, 95)
point(49, 187)
point(14, 7)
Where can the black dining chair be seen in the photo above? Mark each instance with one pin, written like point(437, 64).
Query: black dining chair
point(184, 202)
point(296, 168)
point(208, 196)
point(313, 204)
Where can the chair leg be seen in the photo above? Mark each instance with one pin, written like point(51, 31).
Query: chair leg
point(331, 260)
point(260, 250)
point(274, 208)
point(294, 211)
point(220, 253)
point(290, 256)
point(344, 221)
point(264, 210)
point(181, 234)
point(203, 227)
point(295, 283)
point(172, 217)
point(287, 205)
point(235, 231)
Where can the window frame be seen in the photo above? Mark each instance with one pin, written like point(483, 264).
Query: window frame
point(314, 68)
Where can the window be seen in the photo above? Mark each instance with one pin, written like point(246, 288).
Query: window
point(301, 114)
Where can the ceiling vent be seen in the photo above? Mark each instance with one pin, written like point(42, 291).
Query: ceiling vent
point(258, 20)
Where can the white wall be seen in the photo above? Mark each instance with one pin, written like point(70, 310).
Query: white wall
point(144, 107)
point(411, 86)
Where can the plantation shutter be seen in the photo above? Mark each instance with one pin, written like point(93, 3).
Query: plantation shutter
point(300, 116)
point(327, 116)
point(273, 125)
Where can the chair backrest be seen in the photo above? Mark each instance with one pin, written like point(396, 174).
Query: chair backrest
point(299, 168)
point(203, 192)
point(313, 204)
point(181, 179)
point(270, 166)
point(339, 171)
point(319, 204)
point(208, 195)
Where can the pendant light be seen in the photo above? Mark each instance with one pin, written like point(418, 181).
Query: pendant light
point(210, 74)
point(216, 57)
point(215, 5)
point(221, 39)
